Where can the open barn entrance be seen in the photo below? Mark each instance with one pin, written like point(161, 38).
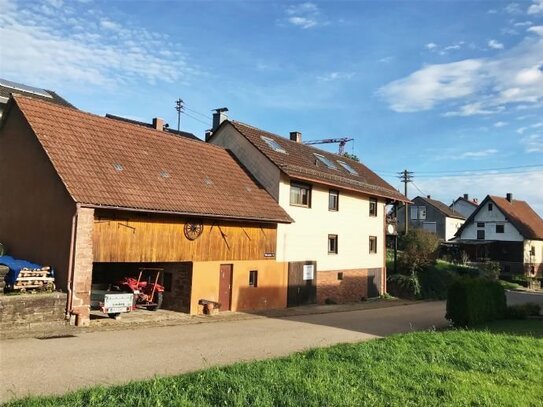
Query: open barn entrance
point(175, 277)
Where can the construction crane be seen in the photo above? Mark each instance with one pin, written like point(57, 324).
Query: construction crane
point(342, 141)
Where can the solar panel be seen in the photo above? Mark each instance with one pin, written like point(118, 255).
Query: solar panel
point(348, 167)
point(24, 88)
point(274, 145)
point(326, 161)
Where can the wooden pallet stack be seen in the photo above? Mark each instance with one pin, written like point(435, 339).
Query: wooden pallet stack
point(35, 279)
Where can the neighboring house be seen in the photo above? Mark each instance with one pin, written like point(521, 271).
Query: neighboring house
point(157, 124)
point(97, 198)
point(335, 248)
point(7, 88)
point(505, 230)
point(464, 205)
point(431, 215)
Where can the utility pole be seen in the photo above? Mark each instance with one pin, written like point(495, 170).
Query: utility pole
point(406, 177)
point(179, 106)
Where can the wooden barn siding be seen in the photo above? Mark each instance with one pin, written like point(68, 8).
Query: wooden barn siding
point(136, 239)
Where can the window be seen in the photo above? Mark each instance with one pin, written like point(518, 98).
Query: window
point(414, 210)
point(373, 244)
point(373, 207)
point(490, 207)
point(348, 167)
point(422, 212)
point(500, 228)
point(480, 235)
point(340, 275)
point(253, 278)
point(274, 145)
point(332, 244)
point(333, 200)
point(300, 194)
point(326, 161)
point(480, 224)
point(532, 251)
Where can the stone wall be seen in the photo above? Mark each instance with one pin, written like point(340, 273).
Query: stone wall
point(32, 311)
point(342, 286)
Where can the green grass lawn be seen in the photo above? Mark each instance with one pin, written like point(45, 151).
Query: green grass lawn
point(451, 368)
point(527, 327)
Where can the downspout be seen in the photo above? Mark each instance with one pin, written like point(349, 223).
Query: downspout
point(71, 263)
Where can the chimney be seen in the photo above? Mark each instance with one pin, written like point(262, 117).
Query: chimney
point(296, 136)
point(509, 197)
point(158, 124)
point(466, 197)
point(429, 196)
point(219, 116)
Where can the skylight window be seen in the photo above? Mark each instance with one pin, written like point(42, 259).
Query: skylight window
point(326, 161)
point(350, 169)
point(274, 145)
point(164, 174)
point(118, 167)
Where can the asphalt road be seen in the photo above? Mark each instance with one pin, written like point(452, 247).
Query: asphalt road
point(55, 366)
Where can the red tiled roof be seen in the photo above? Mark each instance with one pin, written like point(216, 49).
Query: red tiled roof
point(300, 162)
point(522, 216)
point(155, 170)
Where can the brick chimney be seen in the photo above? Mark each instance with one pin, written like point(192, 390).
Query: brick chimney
point(296, 136)
point(509, 197)
point(158, 123)
point(466, 197)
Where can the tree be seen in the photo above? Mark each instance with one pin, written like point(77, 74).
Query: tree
point(353, 157)
point(419, 249)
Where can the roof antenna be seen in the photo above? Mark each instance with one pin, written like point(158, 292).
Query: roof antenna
point(179, 106)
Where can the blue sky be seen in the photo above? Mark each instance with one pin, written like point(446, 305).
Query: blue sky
point(437, 87)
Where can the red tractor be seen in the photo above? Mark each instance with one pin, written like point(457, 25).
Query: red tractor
point(147, 293)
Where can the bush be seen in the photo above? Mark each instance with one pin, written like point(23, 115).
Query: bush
point(420, 249)
point(402, 286)
point(490, 270)
point(475, 301)
point(435, 282)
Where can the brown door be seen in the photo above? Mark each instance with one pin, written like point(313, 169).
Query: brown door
point(302, 290)
point(225, 286)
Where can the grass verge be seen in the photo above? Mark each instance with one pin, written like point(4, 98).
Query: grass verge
point(452, 368)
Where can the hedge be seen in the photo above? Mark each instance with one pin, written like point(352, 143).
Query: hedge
point(473, 301)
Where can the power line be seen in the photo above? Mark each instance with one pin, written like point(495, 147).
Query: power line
point(197, 112)
point(416, 186)
point(481, 174)
point(195, 118)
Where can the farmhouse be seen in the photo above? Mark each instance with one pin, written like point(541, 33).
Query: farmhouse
point(505, 230)
point(464, 205)
point(431, 215)
point(98, 198)
point(335, 248)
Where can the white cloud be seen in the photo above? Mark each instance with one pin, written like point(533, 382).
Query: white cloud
point(431, 45)
point(495, 44)
point(76, 46)
point(536, 8)
point(523, 24)
point(335, 76)
point(481, 86)
point(500, 124)
point(386, 60)
point(491, 183)
point(479, 154)
point(513, 8)
point(533, 143)
point(304, 15)
point(522, 130)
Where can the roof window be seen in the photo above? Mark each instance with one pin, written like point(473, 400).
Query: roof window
point(274, 145)
point(350, 169)
point(164, 174)
point(118, 167)
point(326, 161)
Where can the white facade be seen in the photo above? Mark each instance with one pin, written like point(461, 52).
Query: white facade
point(307, 237)
point(487, 220)
point(451, 227)
point(537, 256)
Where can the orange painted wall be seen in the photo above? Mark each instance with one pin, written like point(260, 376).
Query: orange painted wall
point(271, 292)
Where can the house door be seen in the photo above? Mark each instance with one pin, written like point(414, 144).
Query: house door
point(225, 286)
point(302, 283)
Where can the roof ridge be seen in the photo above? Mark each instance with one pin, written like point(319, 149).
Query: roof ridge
point(109, 120)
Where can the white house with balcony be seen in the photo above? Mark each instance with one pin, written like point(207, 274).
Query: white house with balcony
point(335, 248)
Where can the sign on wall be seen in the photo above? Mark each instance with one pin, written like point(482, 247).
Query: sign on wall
point(309, 272)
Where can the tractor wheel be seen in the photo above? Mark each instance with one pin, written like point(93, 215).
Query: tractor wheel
point(114, 315)
point(158, 301)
